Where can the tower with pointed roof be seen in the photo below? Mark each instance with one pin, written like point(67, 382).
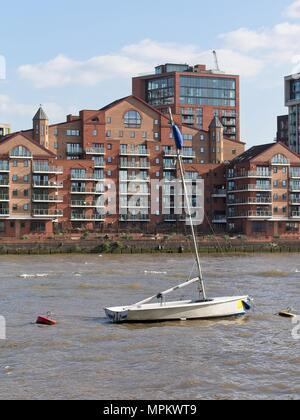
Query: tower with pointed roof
point(216, 134)
point(41, 128)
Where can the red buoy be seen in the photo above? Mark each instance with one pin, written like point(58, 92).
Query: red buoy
point(45, 320)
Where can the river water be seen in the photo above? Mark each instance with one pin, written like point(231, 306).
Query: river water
point(85, 357)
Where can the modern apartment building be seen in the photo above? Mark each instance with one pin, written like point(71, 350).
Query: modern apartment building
point(282, 135)
point(195, 93)
point(292, 101)
point(4, 130)
point(94, 172)
point(263, 192)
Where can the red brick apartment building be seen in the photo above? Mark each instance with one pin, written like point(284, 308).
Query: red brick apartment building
point(61, 177)
point(195, 93)
point(93, 172)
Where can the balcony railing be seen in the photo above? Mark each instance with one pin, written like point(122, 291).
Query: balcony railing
point(220, 218)
point(251, 201)
point(134, 218)
point(296, 214)
point(294, 187)
point(87, 177)
point(4, 167)
point(41, 198)
point(4, 212)
point(95, 151)
point(47, 213)
point(47, 184)
point(134, 165)
point(170, 165)
point(295, 201)
point(99, 163)
point(135, 179)
point(86, 191)
point(134, 152)
point(86, 218)
point(85, 204)
point(219, 192)
point(251, 187)
point(4, 197)
point(294, 174)
point(251, 174)
point(48, 169)
point(4, 182)
point(184, 153)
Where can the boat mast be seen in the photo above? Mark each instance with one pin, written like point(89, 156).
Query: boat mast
point(179, 158)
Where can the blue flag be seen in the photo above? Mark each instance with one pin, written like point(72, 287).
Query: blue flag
point(178, 137)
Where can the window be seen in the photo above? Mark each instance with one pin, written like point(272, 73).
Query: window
point(37, 227)
point(55, 145)
point(157, 148)
point(145, 134)
point(55, 132)
point(109, 147)
point(15, 178)
point(187, 137)
point(284, 184)
point(121, 133)
point(275, 170)
point(26, 178)
point(26, 207)
point(108, 120)
point(202, 161)
point(15, 193)
point(73, 133)
point(280, 159)
point(20, 151)
point(292, 227)
point(156, 136)
point(276, 184)
point(109, 160)
point(202, 137)
point(95, 133)
point(202, 150)
point(108, 133)
point(132, 134)
point(157, 174)
point(2, 226)
point(15, 207)
point(275, 197)
point(74, 149)
point(26, 193)
point(157, 161)
point(132, 119)
point(26, 163)
point(109, 173)
point(15, 163)
point(233, 151)
point(156, 122)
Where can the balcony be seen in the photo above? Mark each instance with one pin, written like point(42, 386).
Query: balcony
point(171, 166)
point(134, 218)
point(295, 215)
point(294, 174)
point(4, 167)
point(4, 212)
point(95, 151)
point(260, 214)
point(86, 191)
point(251, 187)
point(86, 218)
point(219, 193)
point(295, 201)
point(134, 152)
point(44, 198)
point(47, 184)
point(39, 169)
point(187, 120)
point(47, 213)
point(188, 154)
point(4, 183)
point(251, 174)
point(136, 192)
point(85, 204)
point(99, 163)
point(135, 179)
point(295, 188)
point(87, 177)
point(251, 201)
point(135, 165)
point(219, 219)
point(4, 198)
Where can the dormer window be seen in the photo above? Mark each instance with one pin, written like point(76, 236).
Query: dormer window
point(20, 151)
point(280, 160)
point(132, 119)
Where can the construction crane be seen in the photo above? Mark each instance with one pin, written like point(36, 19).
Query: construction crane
point(216, 61)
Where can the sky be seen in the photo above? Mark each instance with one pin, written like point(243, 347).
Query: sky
point(70, 55)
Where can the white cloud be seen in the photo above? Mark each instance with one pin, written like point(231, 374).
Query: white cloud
point(131, 60)
point(10, 108)
point(293, 11)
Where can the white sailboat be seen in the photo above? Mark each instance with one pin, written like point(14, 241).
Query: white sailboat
point(200, 308)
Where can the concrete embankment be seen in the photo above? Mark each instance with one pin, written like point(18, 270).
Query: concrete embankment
point(145, 246)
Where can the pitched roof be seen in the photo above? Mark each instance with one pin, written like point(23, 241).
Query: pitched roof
point(252, 153)
point(20, 133)
point(40, 115)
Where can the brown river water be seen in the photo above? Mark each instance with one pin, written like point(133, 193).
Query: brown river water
point(85, 357)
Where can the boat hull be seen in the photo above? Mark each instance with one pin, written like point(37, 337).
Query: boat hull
point(175, 311)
